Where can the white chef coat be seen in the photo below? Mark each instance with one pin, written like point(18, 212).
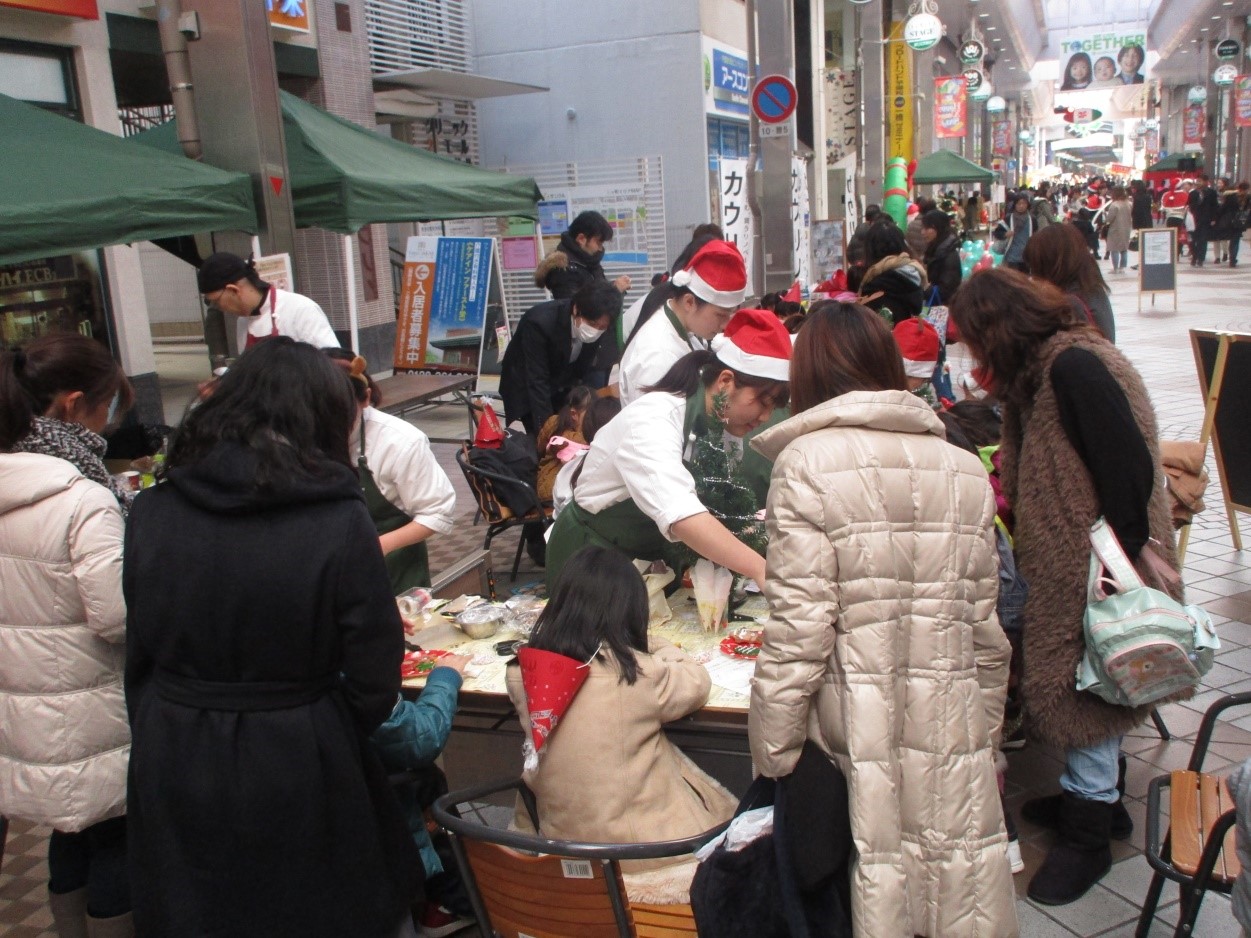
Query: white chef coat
point(638, 455)
point(405, 470)
point(655, 349)
point(298, 317)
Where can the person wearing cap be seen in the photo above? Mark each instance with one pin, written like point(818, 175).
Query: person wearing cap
point(232, 285)
point(554, 349)
point(704, 295)
point(636, 492)
point(919, 348)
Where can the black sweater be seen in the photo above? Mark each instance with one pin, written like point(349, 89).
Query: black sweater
point(1097, 420)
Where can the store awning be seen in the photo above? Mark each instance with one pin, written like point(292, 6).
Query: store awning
point(70, 187)
point(344, 177)
point(943, 166)
point(1172, 163)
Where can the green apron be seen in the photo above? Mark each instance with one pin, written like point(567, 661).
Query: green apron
point(408, 566)
point(623, 526)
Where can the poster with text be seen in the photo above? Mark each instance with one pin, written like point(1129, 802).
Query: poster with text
point(1101, 58)
point(624, 206)
point(842, 114)
point(801, 220)
point(443, 304)
point(1242, 101)
point(1194, 125)
point(951, 109)
point(726, 79)
point(1001, 137)
point(899, 94)
point(735, 215)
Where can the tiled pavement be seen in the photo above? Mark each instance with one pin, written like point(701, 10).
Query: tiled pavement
point(1217, 576)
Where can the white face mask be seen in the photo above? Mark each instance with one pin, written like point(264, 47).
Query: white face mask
point(586, 332)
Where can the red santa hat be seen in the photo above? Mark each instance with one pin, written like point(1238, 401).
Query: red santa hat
point(716, 274)
point(918, 344)
point(551, 681)
point(795, 294)
point(755, 343)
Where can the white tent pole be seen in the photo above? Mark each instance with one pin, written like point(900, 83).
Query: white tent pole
point(349, 279)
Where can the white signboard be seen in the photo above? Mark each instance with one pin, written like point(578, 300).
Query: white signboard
point(735, 213)
point(801, 220)
point(842, 114)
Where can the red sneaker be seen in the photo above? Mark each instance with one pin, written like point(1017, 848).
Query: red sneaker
point(437, 921)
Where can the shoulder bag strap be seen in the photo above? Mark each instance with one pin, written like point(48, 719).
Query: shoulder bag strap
point(1112, 557)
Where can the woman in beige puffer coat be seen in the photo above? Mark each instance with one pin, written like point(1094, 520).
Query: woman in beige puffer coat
point(64, 738)
point(882, 644)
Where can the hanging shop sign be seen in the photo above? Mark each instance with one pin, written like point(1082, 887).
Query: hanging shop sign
point(899, 94)
point(996, 105)
point(1225, 74)
point(1001, 137)
point(735, 216)
point(289, 14)
point(983, 93)
point(1197, 94)
point(951, 109)
point(1242, 101)
point(923, 31)
point(842, 114)
point(973, 79)
point(972, 51)
point(1228, 49)
point(1081, 115)
point(726, 80)
point(1194, 123)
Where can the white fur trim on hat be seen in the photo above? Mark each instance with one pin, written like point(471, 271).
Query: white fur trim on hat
point(919, 369)
point(748, 363)
point(697, 285)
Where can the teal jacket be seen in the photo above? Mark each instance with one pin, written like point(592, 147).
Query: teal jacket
point(411, 739)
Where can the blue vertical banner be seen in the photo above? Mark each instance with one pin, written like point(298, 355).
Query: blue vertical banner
point(459, 286)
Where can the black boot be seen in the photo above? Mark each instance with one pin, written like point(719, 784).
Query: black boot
point(1081, 856)
point(1045, 812)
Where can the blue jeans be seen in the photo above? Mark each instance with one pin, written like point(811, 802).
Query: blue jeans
point(1091, 772)
point(1120, 259)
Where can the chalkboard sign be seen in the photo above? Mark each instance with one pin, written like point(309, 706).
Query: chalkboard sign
point(1157, 262)
point(1227, 419)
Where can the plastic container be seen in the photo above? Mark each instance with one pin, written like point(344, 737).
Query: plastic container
point(482, 621)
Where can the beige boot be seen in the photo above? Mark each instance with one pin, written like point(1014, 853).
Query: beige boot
point(69, 913)
point(119, 926)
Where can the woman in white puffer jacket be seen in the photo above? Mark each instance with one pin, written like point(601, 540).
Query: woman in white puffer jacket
point(64, 738)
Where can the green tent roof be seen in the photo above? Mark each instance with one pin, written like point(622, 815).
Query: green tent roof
point(344, 177)
point(69, 187)
point(944, 166)
point(1169, 164)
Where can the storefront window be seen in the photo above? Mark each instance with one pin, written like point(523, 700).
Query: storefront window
point(51, 294)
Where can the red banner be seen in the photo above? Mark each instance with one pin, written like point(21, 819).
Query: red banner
point(1001, 138)
point(951, 118)
point(1242, 101)
point(84, 9)
point(1194, 124)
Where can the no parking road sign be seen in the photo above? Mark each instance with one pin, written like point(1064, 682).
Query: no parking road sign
point(773, 99)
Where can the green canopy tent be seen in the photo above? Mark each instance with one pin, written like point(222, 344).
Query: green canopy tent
point(943, 166)
point(344, 177)
point(70, 187)
point(1172, 163)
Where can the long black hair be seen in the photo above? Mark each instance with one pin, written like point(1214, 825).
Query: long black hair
point(32, 377)
point(283, 400)
point(702, 368)
point(599, 599)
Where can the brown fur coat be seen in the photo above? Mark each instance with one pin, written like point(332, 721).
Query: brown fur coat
point(1054, 500)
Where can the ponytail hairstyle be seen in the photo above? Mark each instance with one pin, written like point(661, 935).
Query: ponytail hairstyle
point(364, 387)
point(579, 399)
point(702, 368)
point(32, 377)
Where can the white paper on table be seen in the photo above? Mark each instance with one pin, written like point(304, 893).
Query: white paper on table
point(732, 674)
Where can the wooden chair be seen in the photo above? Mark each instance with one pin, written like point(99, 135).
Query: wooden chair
point(1198, 850)
point(526, 885)
point(498, 516)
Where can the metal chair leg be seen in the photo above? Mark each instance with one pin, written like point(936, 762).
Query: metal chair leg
point(1149, 906)
point(521, 542)
point(4, 836)
point(1159, 725)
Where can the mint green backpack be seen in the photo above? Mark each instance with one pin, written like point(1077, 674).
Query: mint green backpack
point(1141, 644)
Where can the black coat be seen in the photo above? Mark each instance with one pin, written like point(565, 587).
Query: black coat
point(263, 646)
point(1141, 210)
point(567, 269)
point(1226, 223)
point(901, 294)
point(943, 269)
point(1204, 204)
point(536, 374)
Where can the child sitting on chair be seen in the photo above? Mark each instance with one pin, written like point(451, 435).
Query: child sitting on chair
point(593, 693)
